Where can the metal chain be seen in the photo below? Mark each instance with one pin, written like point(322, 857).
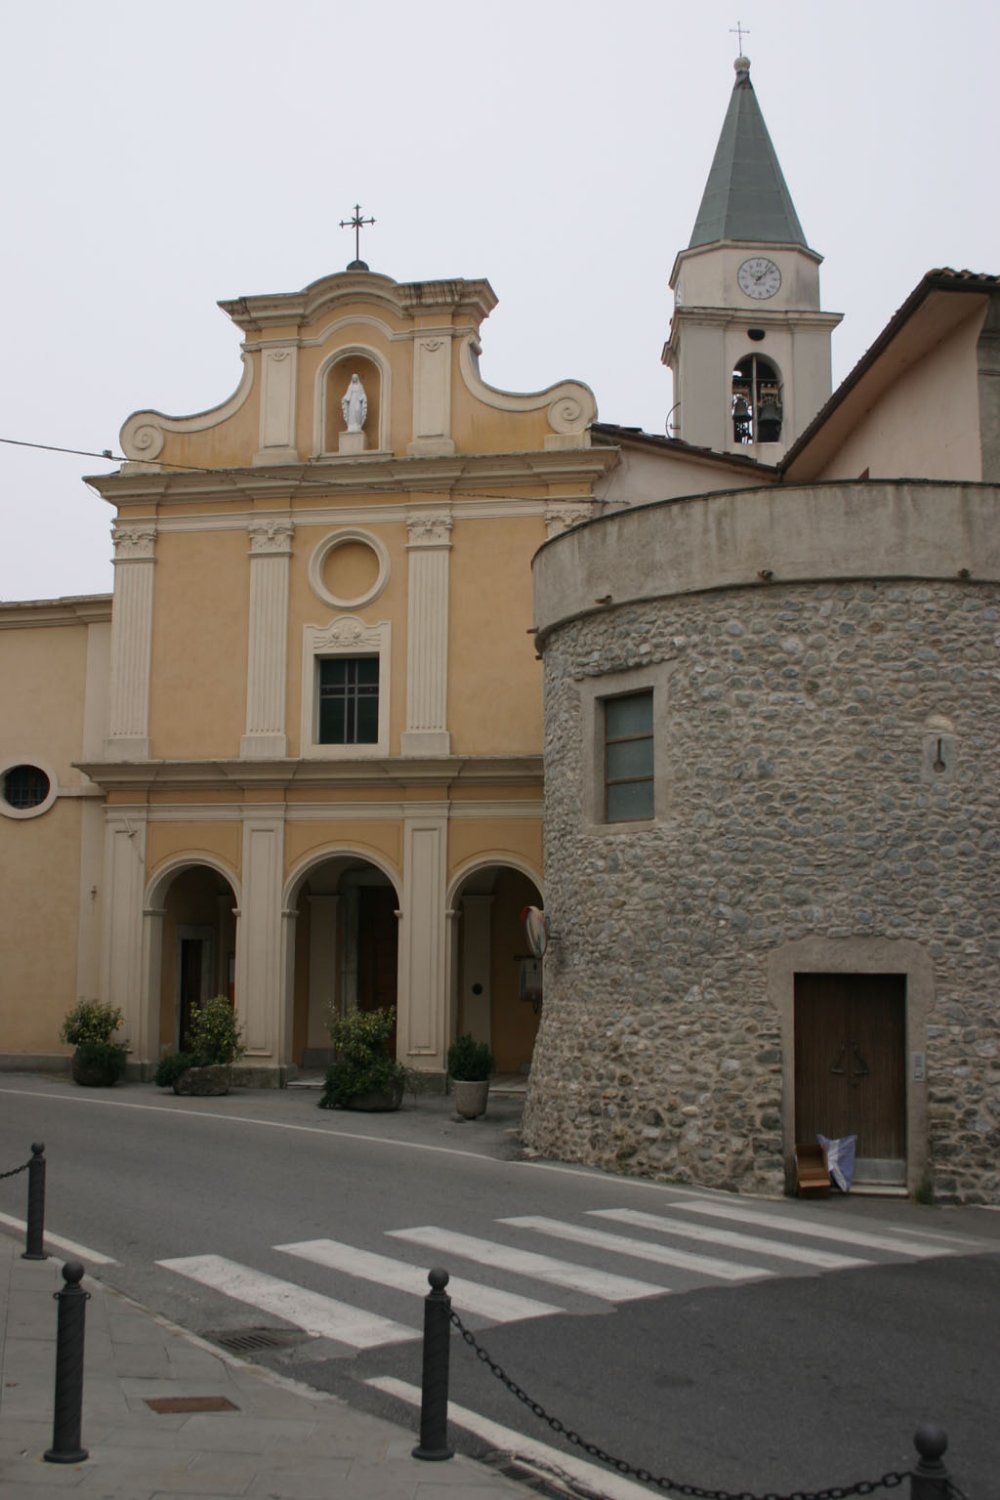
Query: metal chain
point(14, 1171)
point(622, 1466)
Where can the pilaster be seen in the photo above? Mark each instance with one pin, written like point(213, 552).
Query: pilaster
point(131, 642)
point(426, 730)
point(260, 974)
point(432, 395)
point(267, 653)
point(279, 368)
point(122, 947)
point(423, 1009)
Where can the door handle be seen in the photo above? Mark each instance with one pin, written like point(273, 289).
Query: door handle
point(860, 1069)
point(838, 1066)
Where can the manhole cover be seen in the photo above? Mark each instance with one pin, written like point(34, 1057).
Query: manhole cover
point(246, 1340)
point(166, 1405)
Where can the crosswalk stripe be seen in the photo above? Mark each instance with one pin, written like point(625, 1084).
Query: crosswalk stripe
point(468, 1296)
point(322, 1316)
point(600, 1284)
point(807, 1255)
point(596, 1480)
point(785, 1225)
point(663, 1255)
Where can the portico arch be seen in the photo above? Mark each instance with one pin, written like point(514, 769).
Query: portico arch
point(345, 951)
point(489, 956)
point(189, 941)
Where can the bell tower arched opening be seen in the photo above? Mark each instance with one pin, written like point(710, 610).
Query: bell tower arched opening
point(757, 407)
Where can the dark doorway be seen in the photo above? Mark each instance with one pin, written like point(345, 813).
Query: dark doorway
point(378, 946)
point(850, 1051)
point(192, 968)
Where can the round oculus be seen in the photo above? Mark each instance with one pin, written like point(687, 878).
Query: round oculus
point(759, 277)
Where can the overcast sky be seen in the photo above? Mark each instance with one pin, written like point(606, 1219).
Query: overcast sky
point(162, 156)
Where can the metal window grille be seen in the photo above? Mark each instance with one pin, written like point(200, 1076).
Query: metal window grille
point(25, 786)
point(348, 700)
point(628, 758)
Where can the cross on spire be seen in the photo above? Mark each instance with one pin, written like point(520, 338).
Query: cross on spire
point(741, 31)
point(356, 223)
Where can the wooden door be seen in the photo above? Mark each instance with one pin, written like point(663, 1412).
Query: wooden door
point(850, 1051)
point(378, 945)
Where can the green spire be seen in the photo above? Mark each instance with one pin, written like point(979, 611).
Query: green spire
point(746, 197)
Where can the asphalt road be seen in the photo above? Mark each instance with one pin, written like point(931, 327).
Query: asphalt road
point(805, 1377)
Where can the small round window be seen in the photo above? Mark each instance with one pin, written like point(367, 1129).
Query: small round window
point(27, 790)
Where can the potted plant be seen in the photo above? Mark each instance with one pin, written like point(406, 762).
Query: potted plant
point(364, 1074)
point(98, 1062)
point(470, 1065)
point(212, 1044)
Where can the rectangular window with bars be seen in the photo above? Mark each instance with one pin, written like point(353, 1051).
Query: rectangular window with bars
point(348, 700)
point(628, 758)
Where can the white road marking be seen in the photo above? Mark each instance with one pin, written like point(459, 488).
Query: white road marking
point(598, 1481)
point(662, 1255)
point(786, 1225)
point(322, 1316)
point(826, 1260)
point(599, 1284)
point(71, 1246)
point(469, 1296)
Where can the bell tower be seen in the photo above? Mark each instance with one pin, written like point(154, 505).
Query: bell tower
point(749, 347)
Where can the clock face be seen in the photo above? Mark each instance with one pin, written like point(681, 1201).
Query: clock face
point(759, 277)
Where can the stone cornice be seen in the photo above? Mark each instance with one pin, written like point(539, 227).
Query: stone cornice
point(279, 776)
point(406, 299)
point(370, 475)
point(83, 609)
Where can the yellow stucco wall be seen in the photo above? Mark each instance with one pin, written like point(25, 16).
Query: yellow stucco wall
point(39, 916)
point(42, 678)
point(494, 681)
point(199, 652)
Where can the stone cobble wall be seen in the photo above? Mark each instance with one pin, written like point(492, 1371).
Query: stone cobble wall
point(800, 805)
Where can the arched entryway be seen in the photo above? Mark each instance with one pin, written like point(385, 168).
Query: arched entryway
point(197, 947)
point(494, 975)
point(346, 948)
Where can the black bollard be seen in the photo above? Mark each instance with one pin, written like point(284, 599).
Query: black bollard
point(72, 1301)
point(434, 1395)
point(930, 1480)
point(34, 1240)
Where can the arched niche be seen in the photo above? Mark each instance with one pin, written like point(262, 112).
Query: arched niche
point(336, 378)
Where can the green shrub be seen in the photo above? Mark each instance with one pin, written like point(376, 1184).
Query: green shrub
point(102, 1057)
point(214, 1036)
point(90, 1021)
point(470, 1061)
point(170, 1068)
point(362, 1063)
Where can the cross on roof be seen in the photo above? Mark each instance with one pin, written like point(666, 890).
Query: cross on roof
point(741, 31)
point(356, 223)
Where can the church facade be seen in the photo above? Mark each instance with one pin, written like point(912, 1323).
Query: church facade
point(297, 757)
point(297, 762)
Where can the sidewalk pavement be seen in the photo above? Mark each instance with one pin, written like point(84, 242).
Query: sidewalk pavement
point(277, 1440)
